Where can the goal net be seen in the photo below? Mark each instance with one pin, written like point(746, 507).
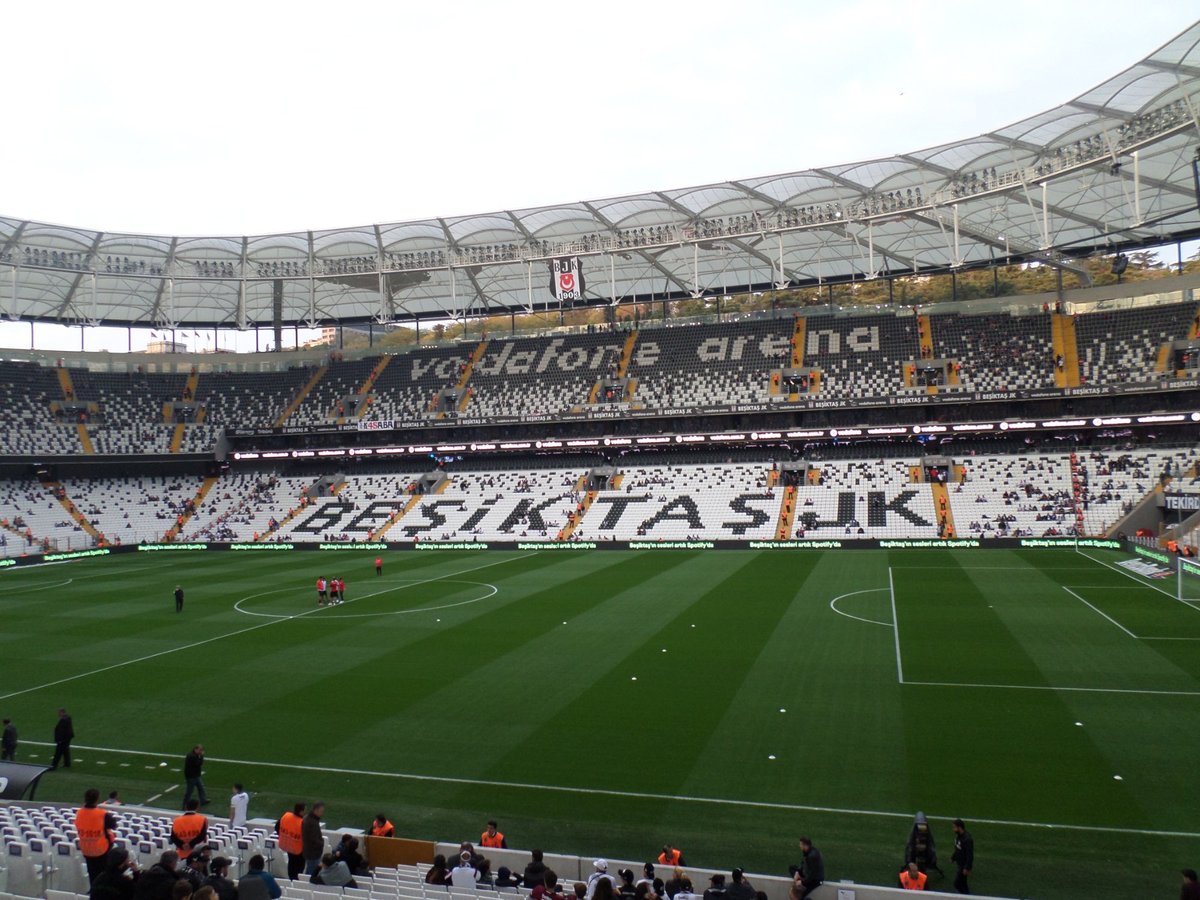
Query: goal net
point(1189, 581)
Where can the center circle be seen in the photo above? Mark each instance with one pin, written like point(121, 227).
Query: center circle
point(489, 591)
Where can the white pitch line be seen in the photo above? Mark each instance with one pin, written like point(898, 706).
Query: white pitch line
point(1100, 611)
point(230, 634)
point(1050, 687)
point(1130, 575)
point(399, 587)
point(833, 606)
point(1150, 638)
point(641, 795)
point(163, 794)
point(1031, 569)
point(895, 627)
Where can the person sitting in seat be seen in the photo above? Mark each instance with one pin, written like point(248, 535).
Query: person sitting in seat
point(333, 873)
point(258, 883)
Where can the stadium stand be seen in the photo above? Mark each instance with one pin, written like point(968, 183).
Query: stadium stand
point(535, 376)
point(859, 355)
point(1125, 345)
point(997, 352)
point(704, 365)
point(648, 498)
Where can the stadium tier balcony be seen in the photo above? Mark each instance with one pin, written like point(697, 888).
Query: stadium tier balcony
point(704, 365)
point(532, 376)
point(1015, 496)
point(1124, 345)
point(998, 351)
point(248, 399)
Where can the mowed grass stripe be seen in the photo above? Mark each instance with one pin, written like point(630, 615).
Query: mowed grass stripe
point(733, 602)
point(148, 639)
point(1038, 759)
point(1144, 611)
point(834, 676)
point(1071, 644)
point(422, 683)
point(939, 611)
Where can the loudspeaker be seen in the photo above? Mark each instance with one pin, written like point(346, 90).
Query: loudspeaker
point(1120, 264)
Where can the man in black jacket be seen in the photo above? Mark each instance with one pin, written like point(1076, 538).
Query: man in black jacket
point(64, 733)
point(158, 881)
point(963, 857)
point(193, 771)
point(218, 879)
point(810, 874)
point(119, 878)
point(313, 839)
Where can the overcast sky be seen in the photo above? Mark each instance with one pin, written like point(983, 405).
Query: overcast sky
point(248, 118)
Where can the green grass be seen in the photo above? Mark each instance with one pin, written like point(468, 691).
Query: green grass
point(506, 680)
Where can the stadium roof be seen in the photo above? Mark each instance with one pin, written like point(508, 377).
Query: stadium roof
point(1111, 168)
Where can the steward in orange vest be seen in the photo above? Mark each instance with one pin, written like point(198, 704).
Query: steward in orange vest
point(291, 840)
point(190, 830)
point(381, 827)
point(912, 878)
point(670, 856)
point(492, 837)
point(95, 828)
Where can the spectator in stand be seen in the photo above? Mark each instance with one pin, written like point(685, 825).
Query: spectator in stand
point(182, 890)
point(716, 888)
point(158, 882)
point(678, 883)
point(333, 873)
point(625, 887)
point(218, 879)
point(535, 871)
point(438, 874)
point(347, 852)
point(548, 889)
point(740, 889)
point(258, 883)
point(119, 878)
point(196, 869)
point(312, 838)
point(647, 874)
point(604, 889)
point(599, 876)
point(464, 876)
point(506, 881)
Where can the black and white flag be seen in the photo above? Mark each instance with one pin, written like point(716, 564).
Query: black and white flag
point(566, 279)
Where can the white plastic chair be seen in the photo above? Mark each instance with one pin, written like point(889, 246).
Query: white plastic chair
point(22, 874)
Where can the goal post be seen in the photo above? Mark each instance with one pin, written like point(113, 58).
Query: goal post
point(1188, 580)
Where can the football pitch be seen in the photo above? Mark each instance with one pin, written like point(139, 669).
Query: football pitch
point(606, 702)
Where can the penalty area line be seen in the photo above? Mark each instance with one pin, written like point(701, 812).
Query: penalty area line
point(645, 795)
